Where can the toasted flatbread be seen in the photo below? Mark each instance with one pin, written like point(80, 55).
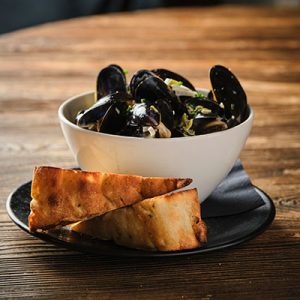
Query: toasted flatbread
point(164, 223)
point(61, 197)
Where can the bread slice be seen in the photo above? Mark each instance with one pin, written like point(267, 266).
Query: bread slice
point(61, 197)
point(164, 223)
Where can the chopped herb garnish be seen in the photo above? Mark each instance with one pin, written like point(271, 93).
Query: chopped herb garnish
point(125, 71)
point(129, 107)
point(186, 125)
point(143, 100)
point(199, 95)
point(194, 110)
point(152, 107)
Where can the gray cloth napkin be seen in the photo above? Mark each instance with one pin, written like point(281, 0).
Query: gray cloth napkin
point(234, 195)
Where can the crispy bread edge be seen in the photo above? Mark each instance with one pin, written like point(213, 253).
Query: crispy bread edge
point(149, 187)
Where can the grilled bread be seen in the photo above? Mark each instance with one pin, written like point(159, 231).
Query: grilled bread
point(61, 197)
point(164, 223)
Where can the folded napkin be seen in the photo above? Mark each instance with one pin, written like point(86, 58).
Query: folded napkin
point(234, 195)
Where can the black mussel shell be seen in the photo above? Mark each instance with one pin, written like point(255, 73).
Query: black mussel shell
point(166, 112)
point(132, 130)
point(111, 80)
point(176, 132)
point(97, 111)
point(210, 96)
point(137, 78)
point(164, 74)
point(203, 124)
point(146, 85)
point(228, 90)
point(114, 119)
point(143, 114)
point(151, 89)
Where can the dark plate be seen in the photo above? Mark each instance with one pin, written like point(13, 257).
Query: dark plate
point(223, 232)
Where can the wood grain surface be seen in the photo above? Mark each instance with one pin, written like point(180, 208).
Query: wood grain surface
point(42, 66)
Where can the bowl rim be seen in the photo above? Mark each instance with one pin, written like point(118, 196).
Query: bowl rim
point(69, 100)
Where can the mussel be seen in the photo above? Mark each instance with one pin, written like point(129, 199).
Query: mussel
point(166, 113)
point(110, 80)
point(115, 118)
point(203, 124)
point(202, 116)
point(142, 114)
point(229, 93)
point(145, 85)
point(94, 117)
point(160, 103)
point(137, 78)
point(146, 120)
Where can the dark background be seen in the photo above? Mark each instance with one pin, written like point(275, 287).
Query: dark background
point(16, 14)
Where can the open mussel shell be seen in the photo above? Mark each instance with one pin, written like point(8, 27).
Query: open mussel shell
point(97, 111)
point(164, 74)
point(151, 89)
point(143, 114)
point(132, 130)
point(114, 119)
point(176, 132)
point(166, 113)
point(142, 121)
point(137, 78)
point(228, 91)
point(146, 85)
point(111, 80)
point(154, 120)
point(203, 124)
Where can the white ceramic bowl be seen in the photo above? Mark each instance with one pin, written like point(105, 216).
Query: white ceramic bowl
point(206, 159)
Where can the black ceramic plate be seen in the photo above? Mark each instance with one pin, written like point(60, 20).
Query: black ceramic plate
point(223, 232)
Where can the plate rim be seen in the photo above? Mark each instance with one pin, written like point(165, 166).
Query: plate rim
point(136, 253)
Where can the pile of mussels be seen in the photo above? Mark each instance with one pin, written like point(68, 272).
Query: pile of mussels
point(163, 104)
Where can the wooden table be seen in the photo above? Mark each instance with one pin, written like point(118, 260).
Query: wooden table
point(42, 66)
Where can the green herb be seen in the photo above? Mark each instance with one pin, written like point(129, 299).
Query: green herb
point(186, 125)
point(194, 110)
point(129, 108)
point(199, 95)
point(125, 71)
point(152, 107)
point(143, 100)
